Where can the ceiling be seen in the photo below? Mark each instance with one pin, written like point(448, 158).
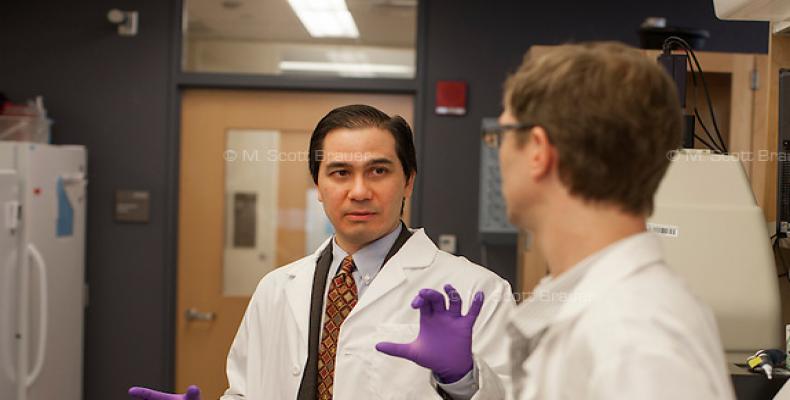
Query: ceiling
point(387, 23)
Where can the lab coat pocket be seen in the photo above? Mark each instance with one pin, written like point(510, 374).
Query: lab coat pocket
point(394, 377)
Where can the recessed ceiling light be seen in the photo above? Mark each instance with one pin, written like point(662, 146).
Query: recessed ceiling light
point(325, 18)
point(347, 68)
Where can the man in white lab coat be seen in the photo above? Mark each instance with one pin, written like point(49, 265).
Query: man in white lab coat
point(311, 326)
point(585, 137)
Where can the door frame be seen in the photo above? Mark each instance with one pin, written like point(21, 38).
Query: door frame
point(180, 81)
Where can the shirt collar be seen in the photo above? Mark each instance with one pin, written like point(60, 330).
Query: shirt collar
point(572, 291)
point(548, 297)
point(370, 258)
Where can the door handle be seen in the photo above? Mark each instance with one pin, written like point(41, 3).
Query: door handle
point(43, 314)
point(193, 314)
point(5, 320)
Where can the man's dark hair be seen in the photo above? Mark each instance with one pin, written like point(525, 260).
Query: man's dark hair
point(359, 116)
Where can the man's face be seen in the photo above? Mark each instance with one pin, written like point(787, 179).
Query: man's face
point(361, 184)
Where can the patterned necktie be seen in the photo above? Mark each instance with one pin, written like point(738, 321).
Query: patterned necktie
point(340, 300)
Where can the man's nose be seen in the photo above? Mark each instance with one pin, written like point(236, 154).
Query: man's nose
point(360, 190)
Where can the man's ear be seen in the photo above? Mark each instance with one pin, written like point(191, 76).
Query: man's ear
point(410, 185)
point(540, 152)
point(320, 197)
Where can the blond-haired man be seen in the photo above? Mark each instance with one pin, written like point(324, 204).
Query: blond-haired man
point(583, 141)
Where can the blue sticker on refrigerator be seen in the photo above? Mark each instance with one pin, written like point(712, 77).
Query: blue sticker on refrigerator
point(65, 212)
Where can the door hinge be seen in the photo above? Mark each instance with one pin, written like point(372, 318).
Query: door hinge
point(754, 80)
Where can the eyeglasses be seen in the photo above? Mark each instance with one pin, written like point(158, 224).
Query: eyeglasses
point(493, 131)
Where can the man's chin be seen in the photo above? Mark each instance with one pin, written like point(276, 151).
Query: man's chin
point(361, 232)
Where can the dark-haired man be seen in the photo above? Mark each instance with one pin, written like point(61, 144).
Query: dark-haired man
point(311, 327)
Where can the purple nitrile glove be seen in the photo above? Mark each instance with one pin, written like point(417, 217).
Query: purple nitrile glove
point(193, 393)
point(444, 344)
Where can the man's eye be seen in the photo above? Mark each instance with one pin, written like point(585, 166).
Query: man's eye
point(340, 173)
point(380, 171)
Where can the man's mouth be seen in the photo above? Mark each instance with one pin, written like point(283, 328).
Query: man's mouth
point(360, 215)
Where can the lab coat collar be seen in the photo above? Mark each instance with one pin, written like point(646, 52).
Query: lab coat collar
point(590, 279)
point(418, 252)
point(621, 260)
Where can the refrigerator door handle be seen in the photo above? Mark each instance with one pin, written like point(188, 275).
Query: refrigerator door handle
point(42, 335)
point(5, 351)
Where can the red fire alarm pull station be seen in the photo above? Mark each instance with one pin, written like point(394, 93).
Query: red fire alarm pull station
point(451, 98)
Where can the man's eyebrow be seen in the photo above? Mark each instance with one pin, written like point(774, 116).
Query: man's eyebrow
point(343, 164)
point(380, 161)
point(338, 164)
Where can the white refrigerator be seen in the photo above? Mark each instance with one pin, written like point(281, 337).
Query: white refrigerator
point(42, 270)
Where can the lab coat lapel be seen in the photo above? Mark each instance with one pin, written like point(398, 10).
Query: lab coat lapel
point(418, 252)
point(298, 290)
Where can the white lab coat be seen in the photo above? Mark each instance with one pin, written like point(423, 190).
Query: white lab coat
point(633, 330)
point(267, 357)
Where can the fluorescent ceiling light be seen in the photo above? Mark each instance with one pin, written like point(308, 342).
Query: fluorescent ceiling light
point(350, 68)
point(325, 18)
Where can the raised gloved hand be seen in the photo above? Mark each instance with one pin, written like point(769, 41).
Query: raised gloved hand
point(444, 344)
point(193, 393)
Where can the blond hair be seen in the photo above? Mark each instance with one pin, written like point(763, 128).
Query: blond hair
point(612, 114)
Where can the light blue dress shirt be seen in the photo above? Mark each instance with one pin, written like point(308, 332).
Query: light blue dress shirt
point(368, 260)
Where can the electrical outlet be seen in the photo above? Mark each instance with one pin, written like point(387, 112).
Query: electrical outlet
point(447, 243)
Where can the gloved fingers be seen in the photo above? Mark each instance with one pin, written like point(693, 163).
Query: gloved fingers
point(402, 350)
point(146, 394)
point(417, 302)
point(193, 393)
point(434, 298)
point(424, 306)
point(477, 304)
point(455, 300)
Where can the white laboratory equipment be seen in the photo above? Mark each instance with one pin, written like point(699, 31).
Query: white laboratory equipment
point(42, 270)
point(715, 236)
